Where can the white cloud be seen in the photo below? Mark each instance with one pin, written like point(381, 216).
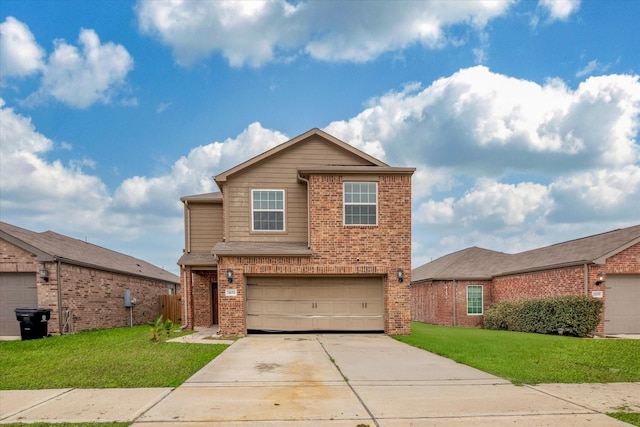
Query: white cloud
point(77, 77)
point(192, 174)
point(82, 77)
point(35, 187)
point(598, 194)
point(591, 68)
point(488, 205)
point(484, 123)
point(258, 32)
point(560, 9)
point(20, 55)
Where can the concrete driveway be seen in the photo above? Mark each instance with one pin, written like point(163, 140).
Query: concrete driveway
point(356, 380)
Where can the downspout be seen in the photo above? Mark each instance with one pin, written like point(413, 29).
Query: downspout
point(586, 279)
point(58, 278)
point(455, 292)
point(308, 212)
point(188, 230)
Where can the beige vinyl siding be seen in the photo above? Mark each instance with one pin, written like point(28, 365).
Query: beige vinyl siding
point(280, 172)
point(206, 226)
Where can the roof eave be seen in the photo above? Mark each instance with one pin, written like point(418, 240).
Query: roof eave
point(231, 252)
point(355, 170)
point(545, 267)
point(41, 255)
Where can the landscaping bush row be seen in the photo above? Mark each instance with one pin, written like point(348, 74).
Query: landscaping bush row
point(573, 315)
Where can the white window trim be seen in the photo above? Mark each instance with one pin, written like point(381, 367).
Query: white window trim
point(284, 215)
point(344, 204)
point(482, 302)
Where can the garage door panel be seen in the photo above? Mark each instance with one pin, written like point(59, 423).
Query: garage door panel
point(622, 304)
point(299, 304)
point(16, 290)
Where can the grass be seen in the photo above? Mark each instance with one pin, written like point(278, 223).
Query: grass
point(631, 418)
point(114, 358)
point(524, 358)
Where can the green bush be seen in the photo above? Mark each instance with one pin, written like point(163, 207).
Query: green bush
point(574, 315)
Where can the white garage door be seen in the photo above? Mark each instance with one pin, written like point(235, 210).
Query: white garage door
point(314, 304)
point(16, 290)
point(622, 305)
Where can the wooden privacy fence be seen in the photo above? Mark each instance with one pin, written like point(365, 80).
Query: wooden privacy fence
point(170, 308)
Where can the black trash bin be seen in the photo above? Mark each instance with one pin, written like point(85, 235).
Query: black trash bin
point(34, 322)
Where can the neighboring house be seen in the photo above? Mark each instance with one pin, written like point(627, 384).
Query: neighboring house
point(84, 282)
point(310, 235)
point(456, 288)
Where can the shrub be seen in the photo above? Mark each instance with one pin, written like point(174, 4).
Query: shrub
point(574, 315)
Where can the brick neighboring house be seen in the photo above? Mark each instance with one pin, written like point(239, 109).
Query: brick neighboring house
point(310, 235)
point(456, 288)
point(82, 281)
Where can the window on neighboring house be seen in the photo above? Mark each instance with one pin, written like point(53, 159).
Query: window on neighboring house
point(268, 210)
point(474, 299)
point(360, 203)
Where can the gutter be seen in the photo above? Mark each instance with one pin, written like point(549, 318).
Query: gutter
point(545, 267)
point(188, 227)
point(58, 280)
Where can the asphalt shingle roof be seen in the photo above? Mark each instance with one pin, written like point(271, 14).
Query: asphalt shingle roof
point(74, 251)
point(482, 264)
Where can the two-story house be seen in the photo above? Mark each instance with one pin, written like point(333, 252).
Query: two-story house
point(310, 235)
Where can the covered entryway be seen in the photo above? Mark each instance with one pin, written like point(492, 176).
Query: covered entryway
point(621, 312)
point(16, 290)
point(315, 303)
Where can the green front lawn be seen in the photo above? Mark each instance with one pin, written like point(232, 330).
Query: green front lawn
point(114, 358)
point(524, 358)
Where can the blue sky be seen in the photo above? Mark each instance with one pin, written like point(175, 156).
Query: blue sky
point(522, 118)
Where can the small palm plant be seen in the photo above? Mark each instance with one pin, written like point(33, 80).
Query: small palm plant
point(157, 326)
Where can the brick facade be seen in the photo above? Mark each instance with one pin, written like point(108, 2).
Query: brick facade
point(90, 298)
point(436, 302)
point(432, 302)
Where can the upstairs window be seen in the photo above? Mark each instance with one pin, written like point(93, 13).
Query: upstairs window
point(267, 208)
point(474, 299)
point(360, 203)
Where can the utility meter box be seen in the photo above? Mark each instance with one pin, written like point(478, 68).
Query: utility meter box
point(127, 298)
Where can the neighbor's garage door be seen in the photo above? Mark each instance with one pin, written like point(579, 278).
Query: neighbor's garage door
point(622, 305)
point(312, 304)
point(16, 290)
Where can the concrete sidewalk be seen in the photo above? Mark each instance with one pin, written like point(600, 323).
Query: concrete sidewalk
point(332, 380)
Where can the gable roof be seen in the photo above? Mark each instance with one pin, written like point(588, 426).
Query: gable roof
point(587, 250)
point(49, 247)
point(468, 264)
point(482, 264)
point(288, 144)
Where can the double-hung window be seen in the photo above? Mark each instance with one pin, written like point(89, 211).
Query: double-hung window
point(474, 299)
point(360, 203)
point(267, 209)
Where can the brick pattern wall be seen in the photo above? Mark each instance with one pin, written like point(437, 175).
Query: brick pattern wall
point(16, 260)
point(338, 250)
point(91, 298)
point(625, 262)
point(565, 281)
point(434, 302)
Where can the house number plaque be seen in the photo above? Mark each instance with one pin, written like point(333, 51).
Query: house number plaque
point(231, 292)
